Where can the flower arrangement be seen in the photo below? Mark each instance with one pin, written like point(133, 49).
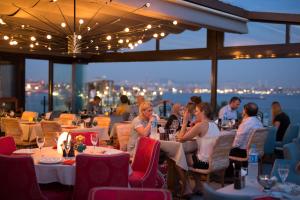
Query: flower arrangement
point(80, 146)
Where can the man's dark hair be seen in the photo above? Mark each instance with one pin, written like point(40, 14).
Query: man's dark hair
point(275, 103)
point(124, 99)
point(97, 98)
point(251, 109)
point(235, 99)
point(196, 99)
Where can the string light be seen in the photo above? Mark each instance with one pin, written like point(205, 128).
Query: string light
point(127, 40)
point(121, 41)
point(175, 22)
point(63, 24)
point(49, 37)
point(81, 21)
point(162, 34)
point(109, 46)
point(23, 26)
point(31, 45)
point(149, 26)
point(2, 22)
point(36, 44)
point(147, 5)
point(108, 37)
point(5, 37)
point(49, 48)
point(13, 42)
point(155, 35)
point(79, 37)
point(32, 38)
point(140, 41)
point(136, 44)
point(126, 30)
point(88, 28)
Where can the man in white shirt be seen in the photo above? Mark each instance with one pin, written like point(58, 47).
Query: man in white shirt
point(250, 122)
point(229, 112)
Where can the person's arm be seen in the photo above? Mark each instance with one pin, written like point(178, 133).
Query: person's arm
point(221, 113)
point(144, 131)
point(197, 130)
point(185, 120)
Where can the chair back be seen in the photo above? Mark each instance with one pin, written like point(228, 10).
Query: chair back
point(123, 133)
point(29, 115)
point(291, 133)
point(270, 141)
point(146, 160)
point(102, 121)
point(51, 129)
point(117, 193)
point(66, 118)
point(19, 178)
point(7, 145)
point(13, 128)
point(219, 158)
point(100, 170)
point(210, 194)
point(86, 135)
point(258, 137)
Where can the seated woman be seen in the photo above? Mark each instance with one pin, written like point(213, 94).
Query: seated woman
point(280, 120)
point(175, 117)
point(141, 125)
point(123, 109)
point(206, 133)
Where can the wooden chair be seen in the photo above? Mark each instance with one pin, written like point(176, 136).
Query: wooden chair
point(13, 128)
point(66, 118)
point(219, 159)
point(29, 115)
point(51, 129)
point(103, 122)
point(123, 133)
point(257, 137)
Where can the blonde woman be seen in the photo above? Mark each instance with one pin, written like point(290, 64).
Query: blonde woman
point(141, 125)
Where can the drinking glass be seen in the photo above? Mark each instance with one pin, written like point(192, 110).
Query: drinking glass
point(67, 146)
point(94, 139)
point(40, 141)
point(283, 171)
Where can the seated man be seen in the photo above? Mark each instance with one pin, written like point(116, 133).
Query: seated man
point(229, 112)
point(249, 122)
point(94, 107)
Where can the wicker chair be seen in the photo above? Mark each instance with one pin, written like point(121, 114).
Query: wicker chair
point(257, 137)
point(51, 129)
point(218, 161)
point(13, 128)
point(66, 118)
point(29, 115)
point(103, 122)
point(123, 132)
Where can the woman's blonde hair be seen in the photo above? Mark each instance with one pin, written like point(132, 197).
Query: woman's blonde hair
point(144, 106)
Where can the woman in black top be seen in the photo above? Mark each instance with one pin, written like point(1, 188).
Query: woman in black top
point(175, 116)
point(280, 120)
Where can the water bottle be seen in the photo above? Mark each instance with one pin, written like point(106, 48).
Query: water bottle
point(253, 163)
point(153, 131)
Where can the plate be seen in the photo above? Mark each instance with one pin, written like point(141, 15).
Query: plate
point(24, 151)
point(50, 160)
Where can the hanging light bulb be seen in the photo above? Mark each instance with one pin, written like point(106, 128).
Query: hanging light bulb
point(127, 40)
point(149, 26)
point(79, 37)
point(108, 37)
point(155, 35)
point(49, 48)
point(147, 5)
point(109, 46)
point(2, 22)
point(121, 41)
point(140, 41)
point(88, 28)
point(175, 22)
point(81, 21)
point(36, 44)
point(63, 24)
point(126, 30)
point(162, 34)
point(49, 37)
point(5, 37)
point(31, 45)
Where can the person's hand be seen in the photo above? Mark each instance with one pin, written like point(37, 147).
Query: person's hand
point(179, 137)
point(152, 118)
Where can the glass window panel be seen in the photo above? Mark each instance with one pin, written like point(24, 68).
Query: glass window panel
point(176, 80)
point(258, 34)
point(185, 40)
point(62, 91)
point(36, 85)
point(7, 84)
point(262, 81)
point(295, 34)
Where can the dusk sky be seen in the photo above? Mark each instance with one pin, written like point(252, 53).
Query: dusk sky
point(271, 72)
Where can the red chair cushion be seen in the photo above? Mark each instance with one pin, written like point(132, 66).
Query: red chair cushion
point(114, 193)
point(7, 145)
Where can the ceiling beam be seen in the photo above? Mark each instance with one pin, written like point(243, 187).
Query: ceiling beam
point(283, 18)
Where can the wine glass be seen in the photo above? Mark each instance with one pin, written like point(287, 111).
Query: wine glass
point(283, 171)
point(94, 139)
point(40, 141)
point(67, 146)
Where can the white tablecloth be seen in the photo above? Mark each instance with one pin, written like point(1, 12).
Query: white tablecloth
point(31, 130)
point(103, 132)
point(177, 151)
point(64, 174)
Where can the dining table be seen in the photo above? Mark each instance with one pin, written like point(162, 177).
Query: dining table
point(30, 130)
point(51, 167)
point(102, 132)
